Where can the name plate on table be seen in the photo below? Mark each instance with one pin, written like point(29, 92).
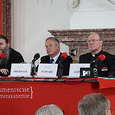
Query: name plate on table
point(19, 70)
point(74, 71)
point(47, 70)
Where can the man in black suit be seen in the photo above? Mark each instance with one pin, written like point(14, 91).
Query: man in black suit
point(105, 67)
point(12, 56)
point(53, 50)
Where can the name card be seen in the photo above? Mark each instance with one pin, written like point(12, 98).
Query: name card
point(74, 71)
point(19, 70)
point(47, 70)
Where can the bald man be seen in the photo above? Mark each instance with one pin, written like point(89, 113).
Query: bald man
point(105, 67)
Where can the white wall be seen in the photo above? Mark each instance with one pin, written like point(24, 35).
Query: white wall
point(32, 20)
point(92, 14)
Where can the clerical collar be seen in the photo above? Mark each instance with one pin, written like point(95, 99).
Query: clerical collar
point(96, 55)
point(93, 55)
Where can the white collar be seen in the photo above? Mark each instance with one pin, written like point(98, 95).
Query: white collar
point(93, 55)
point(55, 58)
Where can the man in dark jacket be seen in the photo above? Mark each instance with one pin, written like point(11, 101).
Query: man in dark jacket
point(12, 56)
point(53, 50)
point(105, 67)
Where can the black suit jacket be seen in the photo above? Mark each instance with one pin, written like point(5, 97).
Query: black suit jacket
point(14, 57)
point(66, 63)
point(104, 67)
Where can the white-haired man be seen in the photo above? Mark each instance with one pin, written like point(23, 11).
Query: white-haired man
point(49, 110)
point(94, 104)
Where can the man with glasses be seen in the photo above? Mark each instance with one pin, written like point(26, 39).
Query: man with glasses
point(94, 104)
point(54, 55)
point(105, 67)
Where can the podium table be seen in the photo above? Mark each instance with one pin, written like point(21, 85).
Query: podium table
point(24, 97)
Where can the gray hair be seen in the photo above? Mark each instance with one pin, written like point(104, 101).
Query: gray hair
point(100, 36)
point(93, 104)
point(56, 41)
point(49, 110)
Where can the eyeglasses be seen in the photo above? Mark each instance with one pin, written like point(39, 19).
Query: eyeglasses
point(93, 40)
point(111, 110)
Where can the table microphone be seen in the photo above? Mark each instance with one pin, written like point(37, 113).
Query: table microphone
point(63, 57)
point(33, 66)
point(36, 57)
point(93, 65)
point(99, 58)
point(2, 56)
point(60, 65)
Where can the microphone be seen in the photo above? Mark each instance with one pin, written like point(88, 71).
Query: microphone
point(100, 58)
point(93, 65)
point(33, 66)
point(60, 65)
point(63, 57)
point(36, 57)
point(2, 56)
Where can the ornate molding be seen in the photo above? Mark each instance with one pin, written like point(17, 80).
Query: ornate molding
point(72, 5)
point(6, 18)
point(76, 39)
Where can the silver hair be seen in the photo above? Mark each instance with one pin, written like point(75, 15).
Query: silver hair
point(56, 41)
point(93, 104)
point(49, 110)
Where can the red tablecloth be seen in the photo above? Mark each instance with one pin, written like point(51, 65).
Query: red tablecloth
point(24, 98)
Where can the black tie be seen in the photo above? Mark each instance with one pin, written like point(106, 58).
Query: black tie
point(51, 60)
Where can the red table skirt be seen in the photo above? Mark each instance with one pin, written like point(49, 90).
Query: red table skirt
point(24, 98)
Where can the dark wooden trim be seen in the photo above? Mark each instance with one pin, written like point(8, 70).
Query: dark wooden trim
point(6, 18)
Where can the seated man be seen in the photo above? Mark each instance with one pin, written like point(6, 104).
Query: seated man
point(12, 56)
point(53, 50)
point(95, 42)
point(49, 110)
point(94, 104)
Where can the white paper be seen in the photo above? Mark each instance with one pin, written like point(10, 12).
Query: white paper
point(47, 70)
point(20, 70)
point(74, 71)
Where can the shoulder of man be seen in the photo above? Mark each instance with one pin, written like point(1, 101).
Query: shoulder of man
point(106, 53)
point(45, 59)
point(14, 51)
point(46, 56)
point(15, 56)
point(69, 58)
point(84, 55)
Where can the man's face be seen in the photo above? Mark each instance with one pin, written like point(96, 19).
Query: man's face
point(94, 43)
point(52, 49)
point(3, 46)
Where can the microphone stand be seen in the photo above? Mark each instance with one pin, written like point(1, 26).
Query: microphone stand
point(60, 71)
point(93, 69)
point(33, 68)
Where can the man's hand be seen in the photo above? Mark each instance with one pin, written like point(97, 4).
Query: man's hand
point(4, 71)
